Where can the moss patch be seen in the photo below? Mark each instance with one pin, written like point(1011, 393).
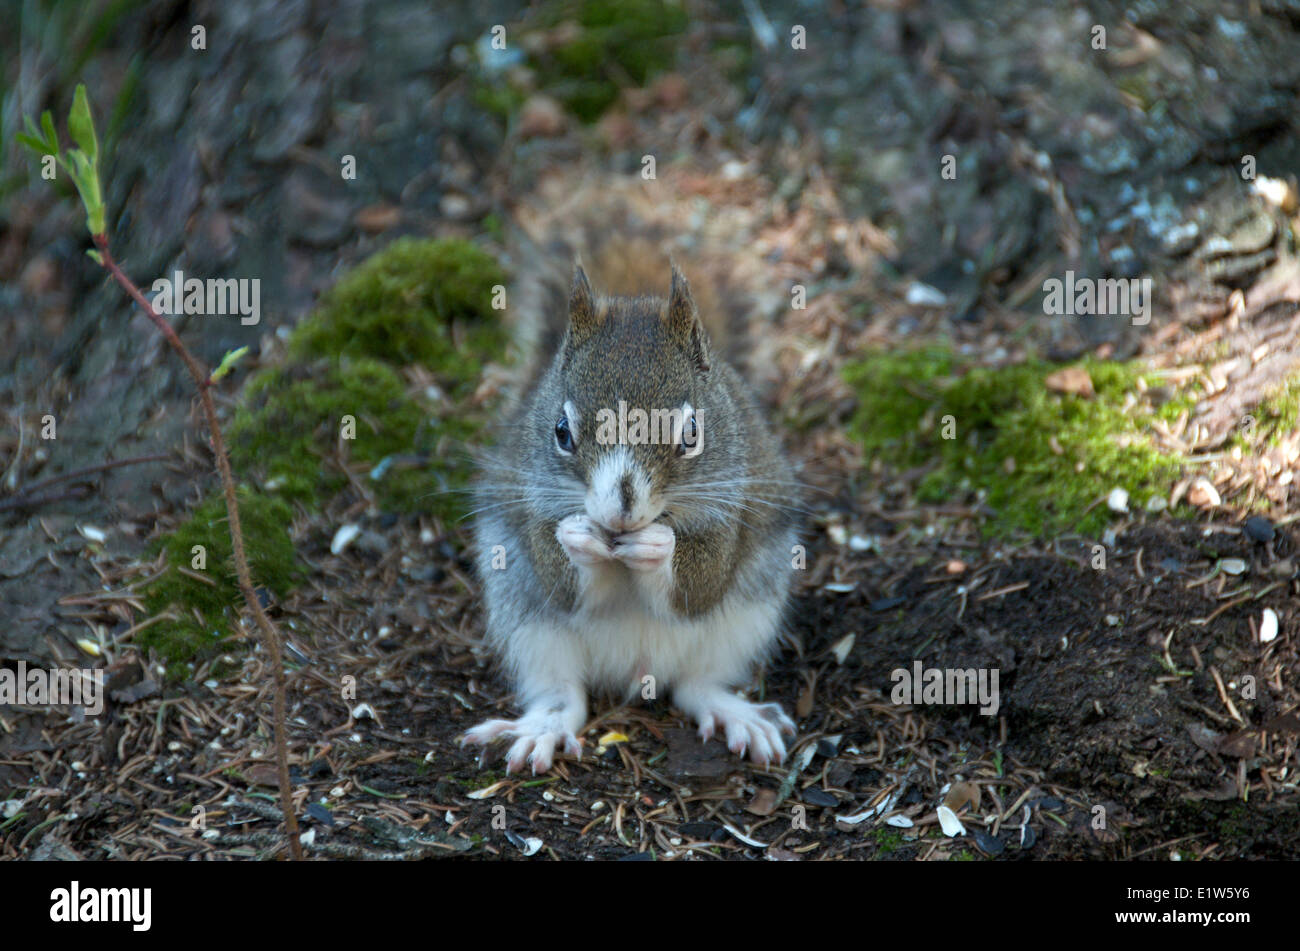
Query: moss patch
point(293, 429)
point(1041, 460)
point(424, 302)
point(204, 611)
point(338, 402)
point(417, 301)
point(1276, 416)
point(606, 44)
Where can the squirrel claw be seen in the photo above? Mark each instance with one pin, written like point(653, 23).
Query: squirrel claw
point(706, 728)
point(535, 742)
point(752, 729)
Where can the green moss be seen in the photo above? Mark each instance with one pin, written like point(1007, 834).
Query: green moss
point(417, 301)
point(291, 429)
point(1041, 460)
point(1276, 416)
point(480, 781)
point(204, 612)
point(611, 43)
point(499, 98)
point(896, 394)
point(888, 840)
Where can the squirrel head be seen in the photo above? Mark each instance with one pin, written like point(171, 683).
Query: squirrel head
point(631, 407)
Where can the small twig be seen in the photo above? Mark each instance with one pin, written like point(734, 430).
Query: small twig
point(25, 501)
point(92, 470)
point(270, 636)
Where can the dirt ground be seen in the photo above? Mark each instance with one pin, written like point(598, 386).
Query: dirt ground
point(1141, 715)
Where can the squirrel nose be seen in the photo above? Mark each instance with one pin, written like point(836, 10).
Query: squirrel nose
point(624, 523)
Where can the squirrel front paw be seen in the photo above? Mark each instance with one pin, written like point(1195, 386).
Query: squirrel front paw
point(583, 541)
point(646, 549)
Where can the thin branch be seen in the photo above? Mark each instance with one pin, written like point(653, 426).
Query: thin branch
point(270, 636)
point(90, 470)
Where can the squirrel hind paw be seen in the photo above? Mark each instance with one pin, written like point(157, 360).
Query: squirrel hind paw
point(750, 728)
point(536, 738)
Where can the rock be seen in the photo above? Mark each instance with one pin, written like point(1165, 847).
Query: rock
point(315, 212)
point(541, 117)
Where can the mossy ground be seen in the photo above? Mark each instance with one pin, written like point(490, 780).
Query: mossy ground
point(339, 400)
point(203, 609)
point(1041, 460)
point(417, 301)
point(294, 426)
point(1276, 416)
point(616, 42)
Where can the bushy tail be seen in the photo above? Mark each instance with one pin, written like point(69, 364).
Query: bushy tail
point(623, 252)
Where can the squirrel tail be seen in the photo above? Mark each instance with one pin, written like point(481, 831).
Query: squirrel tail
point(623, 255)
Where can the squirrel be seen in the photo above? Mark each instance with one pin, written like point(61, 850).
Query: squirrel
point(610, 550)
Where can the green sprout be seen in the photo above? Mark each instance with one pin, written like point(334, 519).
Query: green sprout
point(81, 164)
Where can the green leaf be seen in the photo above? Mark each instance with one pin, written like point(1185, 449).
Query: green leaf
point(82, 125)
point(35, 139)
point(227, 364)
point(82, 164)
point(51, 137)
point(36, 145)
point(95, 256)
point(86, 177)
point(35, 133)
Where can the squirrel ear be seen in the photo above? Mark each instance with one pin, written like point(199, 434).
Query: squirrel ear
point(582, 304)
point(684, 319)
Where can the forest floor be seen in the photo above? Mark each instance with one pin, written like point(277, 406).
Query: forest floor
point(1141, 714)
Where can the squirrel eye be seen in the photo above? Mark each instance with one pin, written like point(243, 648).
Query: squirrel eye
point(564, 435)
point(690, 436)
